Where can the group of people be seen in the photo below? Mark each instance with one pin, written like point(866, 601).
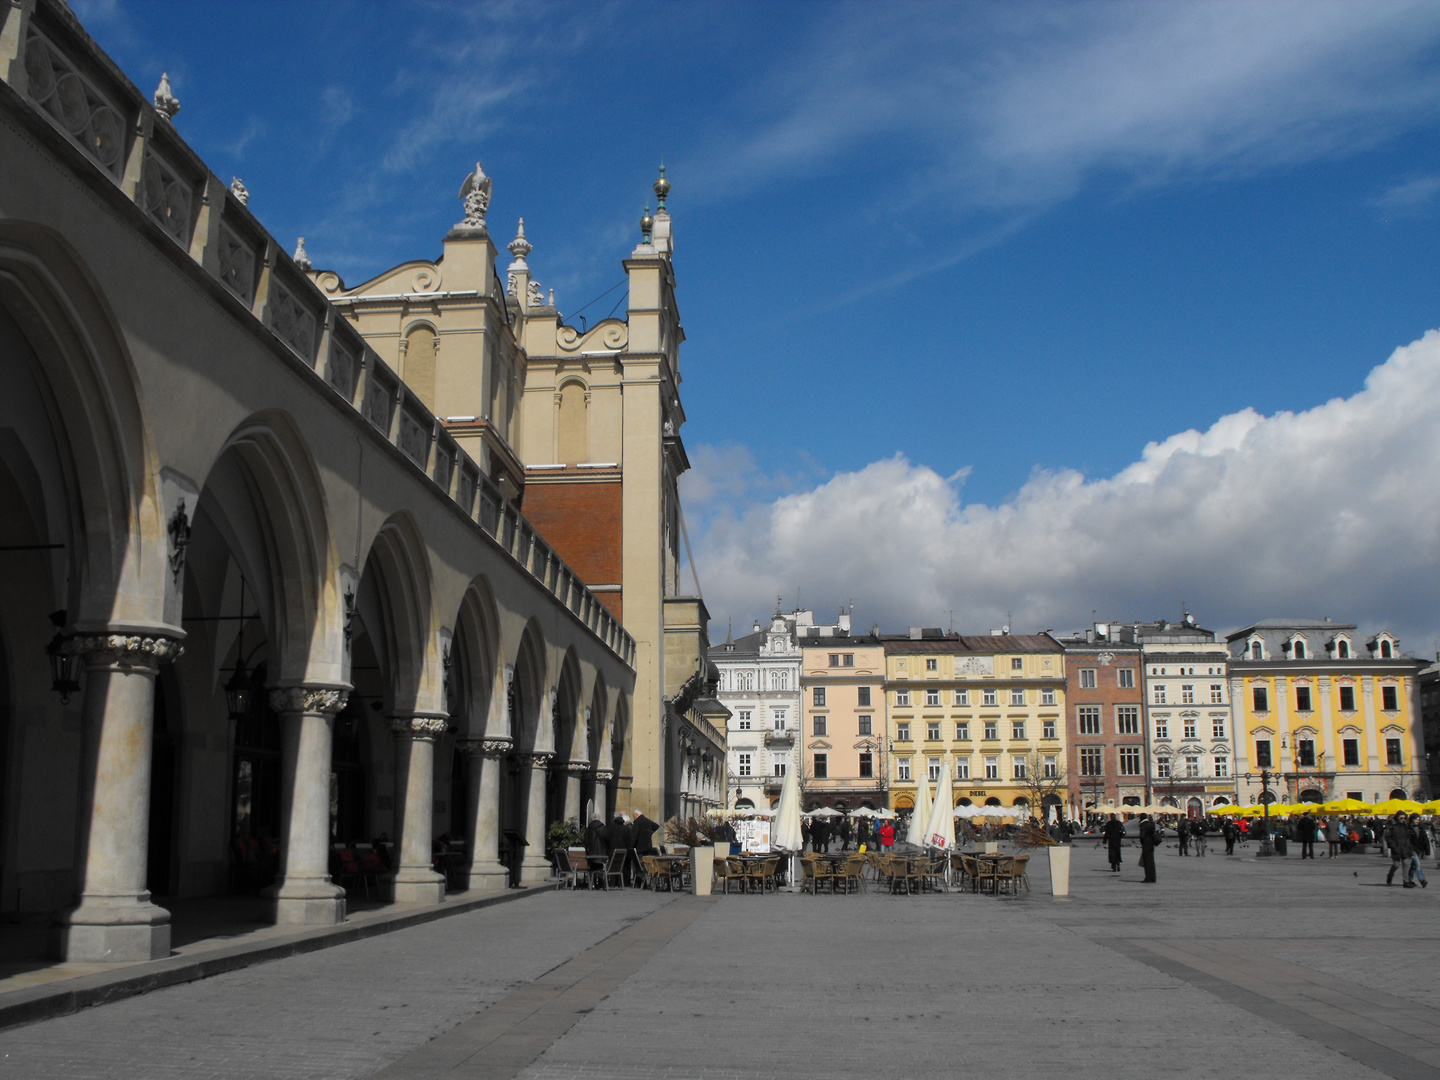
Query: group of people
point(634, 834)
point(819, 834)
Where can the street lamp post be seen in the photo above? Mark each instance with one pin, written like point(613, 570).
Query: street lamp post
point(1267, 846)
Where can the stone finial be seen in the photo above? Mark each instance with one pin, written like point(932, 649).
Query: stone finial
point(166, 103)
point(239, 190)
point(520, 247)
point(662, 188)
point(302, 260)
point(551, 301)
point(475, 194)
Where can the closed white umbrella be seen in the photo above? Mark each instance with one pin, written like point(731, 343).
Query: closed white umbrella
point(787, 834)
point(940, 829)
point(920, 816)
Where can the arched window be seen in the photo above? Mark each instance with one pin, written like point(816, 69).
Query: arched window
point(784, 680)
point(1257, 652)
point(1342, 649)
point(774, 680)
point(1299, 649)
point(572, 430)
point(1385, 650)
point(418, 369)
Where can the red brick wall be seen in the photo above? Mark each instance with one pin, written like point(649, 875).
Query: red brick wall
point(582, 522)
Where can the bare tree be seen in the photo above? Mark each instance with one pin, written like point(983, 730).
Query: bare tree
point(1042, 785)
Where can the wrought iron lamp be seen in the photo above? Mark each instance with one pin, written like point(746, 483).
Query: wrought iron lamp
point(64, 666)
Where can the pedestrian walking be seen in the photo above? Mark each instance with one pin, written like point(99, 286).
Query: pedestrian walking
point(1113, 832)
point(1148, 840)
point(1307, 836)
point(806, 835)
point(1231, 832)
point(620, 836)
point(1419, 845)
point(887, 835)
point(845, 834)
point(1332, 835)
point(1182, 834)
point(1397, 839)
point(1197, 833)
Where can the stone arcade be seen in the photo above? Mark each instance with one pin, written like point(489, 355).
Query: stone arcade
point(257, 597)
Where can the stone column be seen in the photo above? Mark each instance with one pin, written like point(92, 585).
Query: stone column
point(602, 794)
point(414, 882)
point(575, 772)
point(485, 759)
point(303, 893)
point(114, 920)
point(535, 868)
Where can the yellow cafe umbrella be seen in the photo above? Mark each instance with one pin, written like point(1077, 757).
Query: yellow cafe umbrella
point(1347, 806)
point(1431, 807)
point(1234, 809)
point(1396, 806)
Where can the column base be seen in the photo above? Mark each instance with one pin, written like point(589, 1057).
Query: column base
point(313, 902)
point(417, 887)
point(487, 879)
point(534, 871)
point(112, 932)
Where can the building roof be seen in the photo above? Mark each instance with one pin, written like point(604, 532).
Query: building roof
point(973, 643)
point(1320, 634)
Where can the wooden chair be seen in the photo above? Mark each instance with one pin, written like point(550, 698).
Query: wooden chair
point(1019, 876)
point(650, 865)
point(772, 870)
point(825, 874)
point(932, 873)
point(755, 876)
point(959, 874)
point(852, 874)
point(807, 875)
point(1005, 874)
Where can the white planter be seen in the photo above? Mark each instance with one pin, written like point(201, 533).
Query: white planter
point(1059, 869)
point(990, 847)
point(702, 869)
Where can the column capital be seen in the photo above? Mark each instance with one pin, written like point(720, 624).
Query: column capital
point(604, 776)
point(126, 650)
point(577, 768)
point(536, 759)
point(489, 747)
point(426, 726)
point(326, 700)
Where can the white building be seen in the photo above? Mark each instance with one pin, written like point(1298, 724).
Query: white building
point(760, 685)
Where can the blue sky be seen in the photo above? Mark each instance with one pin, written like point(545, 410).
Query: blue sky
point(1012, 244)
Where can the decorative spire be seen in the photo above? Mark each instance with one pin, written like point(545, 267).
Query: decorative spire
point(520, 247)
point(662, 188)
point(475, 194)
point(302, 260)
point(166, 103)
point(646, 224)
point(239, 190)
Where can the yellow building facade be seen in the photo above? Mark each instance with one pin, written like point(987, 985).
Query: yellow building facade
point(995, 704)
point(1326, 713)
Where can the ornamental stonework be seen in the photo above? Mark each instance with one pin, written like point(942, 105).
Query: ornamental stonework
point(306, 699)
point(127, 650)
point(419, 727)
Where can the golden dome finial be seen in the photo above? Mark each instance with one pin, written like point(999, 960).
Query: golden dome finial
point(662, 188)
point(646, 223)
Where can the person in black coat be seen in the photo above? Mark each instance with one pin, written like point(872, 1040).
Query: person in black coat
point(619, 836)
point(595, 838)
point(821, 832)
point(645, 830)
point(844, 834)
point(806, 833)
point(1149, 840)
point(1113, 832)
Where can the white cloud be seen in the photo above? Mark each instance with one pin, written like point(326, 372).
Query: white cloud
point(1410, 197)
point(1331, 511)
point(1016, 106)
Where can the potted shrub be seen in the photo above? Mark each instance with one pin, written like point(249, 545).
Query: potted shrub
point(696, 836)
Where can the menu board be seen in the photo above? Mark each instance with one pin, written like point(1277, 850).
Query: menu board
point(753, 835)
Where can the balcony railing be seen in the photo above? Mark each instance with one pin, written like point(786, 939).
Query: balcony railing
point(779, 738)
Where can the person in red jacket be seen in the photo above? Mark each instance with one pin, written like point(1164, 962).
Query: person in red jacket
point(887, 834)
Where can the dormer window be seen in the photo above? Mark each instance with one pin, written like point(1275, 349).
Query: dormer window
point(1342, 649)
point(1385, 650)
point(1257, 650)
point(1299, 646)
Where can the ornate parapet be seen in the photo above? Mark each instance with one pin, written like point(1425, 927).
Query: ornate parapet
point(424, 726)
point(325, 701)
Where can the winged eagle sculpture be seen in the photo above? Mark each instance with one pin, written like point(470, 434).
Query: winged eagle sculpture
point(475, 194)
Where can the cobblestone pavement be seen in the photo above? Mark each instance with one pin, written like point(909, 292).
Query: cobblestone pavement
point(1228, 966)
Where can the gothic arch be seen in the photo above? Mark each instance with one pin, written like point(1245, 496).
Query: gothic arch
point(530, 693)
point(284, 548)
point(112, 519)
point(395, 604)
point(475, 660)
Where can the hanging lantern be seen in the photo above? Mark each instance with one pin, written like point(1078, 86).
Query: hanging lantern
point(64, 666)
point(238, 691)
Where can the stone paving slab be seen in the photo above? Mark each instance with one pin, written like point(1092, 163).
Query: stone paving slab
point(1237, 966)
point(343, 1012)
